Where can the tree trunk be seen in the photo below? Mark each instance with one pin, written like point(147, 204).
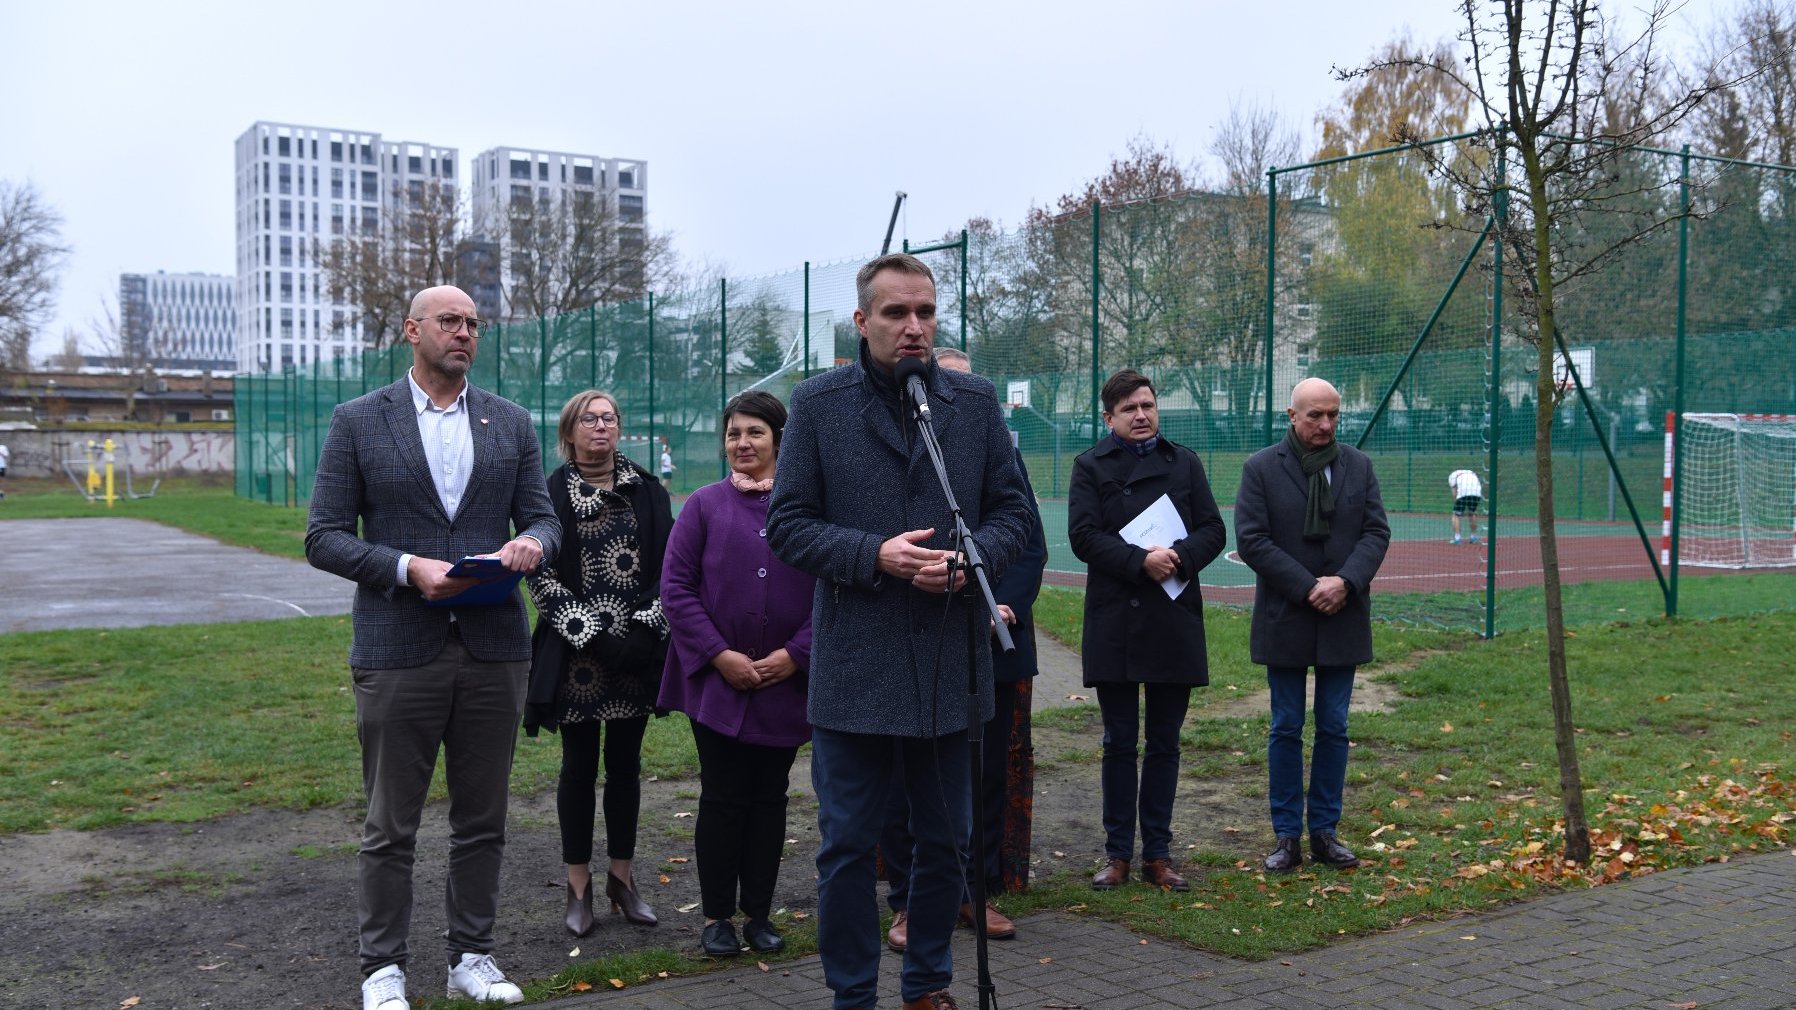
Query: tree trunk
point(1565, 741)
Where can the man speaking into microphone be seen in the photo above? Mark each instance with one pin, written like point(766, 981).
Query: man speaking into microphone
point(856, 503)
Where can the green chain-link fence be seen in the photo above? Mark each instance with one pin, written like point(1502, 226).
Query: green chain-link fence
point(1368, 271)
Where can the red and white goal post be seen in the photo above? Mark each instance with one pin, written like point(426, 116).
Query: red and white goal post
point(1738, 503)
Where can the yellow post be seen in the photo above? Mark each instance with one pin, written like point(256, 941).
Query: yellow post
point(93, 471)
point(110, 497)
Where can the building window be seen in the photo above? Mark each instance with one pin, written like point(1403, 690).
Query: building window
point(629, 209)
point(286, 286)
point(286, 215)
point(370, 219)
point(414, 164)
point(520, 169)
point(336, 219)
point(336, 184)
point(286, 177)
point(285, 147)
point(448, 169)
point(582, 175)
point(336, 150)
point(626, 178)
point(286, 250)
point(370, 186)
point(542, 171)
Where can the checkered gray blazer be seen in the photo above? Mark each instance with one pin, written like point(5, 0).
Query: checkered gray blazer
point(372, 472)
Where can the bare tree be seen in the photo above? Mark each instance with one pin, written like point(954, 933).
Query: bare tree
point(569, 254)
point(374, 268)
point(1750, 60)
point(1566, 102)
point(135, 358)
point(31, 259)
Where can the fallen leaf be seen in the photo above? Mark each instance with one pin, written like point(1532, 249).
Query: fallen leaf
point(761, 965)
point(1142, 942)
point(679, 859)
point(213, 967)
point(581, 986)
point(1044, 960)
point(130, 1002)
point(1446, 727)
point(574, 953)
point(684, 813)
point(665, 879)
point(688, 908)
point(617, 983)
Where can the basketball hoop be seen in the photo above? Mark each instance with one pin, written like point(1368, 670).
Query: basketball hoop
point(1008, 407)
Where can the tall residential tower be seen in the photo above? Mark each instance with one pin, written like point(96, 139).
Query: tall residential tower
point(298, 189)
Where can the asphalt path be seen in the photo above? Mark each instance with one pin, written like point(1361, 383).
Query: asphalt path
point(128, 573)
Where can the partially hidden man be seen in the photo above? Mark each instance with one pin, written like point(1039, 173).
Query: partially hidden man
point(856, 503)
point(413, 477)
point(1310, 523)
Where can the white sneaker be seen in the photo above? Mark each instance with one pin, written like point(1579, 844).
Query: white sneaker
point(477, 977)
point(385, 990)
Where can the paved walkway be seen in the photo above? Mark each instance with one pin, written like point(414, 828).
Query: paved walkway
point(1714, 937)
point(126, 573)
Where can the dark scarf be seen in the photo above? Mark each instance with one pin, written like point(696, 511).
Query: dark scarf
point(1141, 448)
point(1321, 507)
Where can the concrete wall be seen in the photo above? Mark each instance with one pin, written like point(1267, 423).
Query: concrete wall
point(39, 452)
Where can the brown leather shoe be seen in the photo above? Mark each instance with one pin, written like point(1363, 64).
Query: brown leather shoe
point(1326, 848)
point(938, 1000)
point(1286, 857)
point(997, 927)
point(898, 937)
point(1159, 873)
point(1114, 874)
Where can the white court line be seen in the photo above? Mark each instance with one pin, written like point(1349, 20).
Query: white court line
point(285, 603)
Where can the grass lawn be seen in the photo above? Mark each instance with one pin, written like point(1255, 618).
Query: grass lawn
point(1453, 798)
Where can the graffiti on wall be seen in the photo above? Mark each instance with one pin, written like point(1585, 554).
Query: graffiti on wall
point(41, 452)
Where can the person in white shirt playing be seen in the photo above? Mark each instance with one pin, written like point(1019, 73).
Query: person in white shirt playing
point(1468, 491)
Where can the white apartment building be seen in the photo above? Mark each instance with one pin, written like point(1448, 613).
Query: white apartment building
point(179, 322)
point(298, 189)
point(516, 177)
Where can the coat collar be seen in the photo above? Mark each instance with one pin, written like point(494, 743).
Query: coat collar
point(882, 392)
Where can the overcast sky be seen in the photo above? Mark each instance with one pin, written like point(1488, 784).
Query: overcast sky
point(774, 132)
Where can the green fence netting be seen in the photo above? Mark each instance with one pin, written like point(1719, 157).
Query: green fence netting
point(1369, 271)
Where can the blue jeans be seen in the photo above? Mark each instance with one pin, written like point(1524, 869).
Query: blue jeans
point(1159, 774)
point(851, 773)
point(1328, 757)
point(895, 841)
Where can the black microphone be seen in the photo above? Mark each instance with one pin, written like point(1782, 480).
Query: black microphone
point(912, 374)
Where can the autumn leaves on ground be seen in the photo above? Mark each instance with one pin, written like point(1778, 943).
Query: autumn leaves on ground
point(1452, 799)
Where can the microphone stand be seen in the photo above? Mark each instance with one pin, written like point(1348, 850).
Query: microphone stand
point(975, 564)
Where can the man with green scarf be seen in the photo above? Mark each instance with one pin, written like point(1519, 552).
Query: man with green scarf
point(1309, 522)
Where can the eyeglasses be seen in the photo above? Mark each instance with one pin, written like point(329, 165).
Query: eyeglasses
point(596, 420)
point(452, 322)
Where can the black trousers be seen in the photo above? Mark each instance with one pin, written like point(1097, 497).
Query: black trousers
point(574, 795)
point(741, 823)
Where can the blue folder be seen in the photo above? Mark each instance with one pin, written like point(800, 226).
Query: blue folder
point(495, 586)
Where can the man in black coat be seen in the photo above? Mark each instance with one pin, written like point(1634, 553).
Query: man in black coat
point(1136, 632)
point(1309, 522)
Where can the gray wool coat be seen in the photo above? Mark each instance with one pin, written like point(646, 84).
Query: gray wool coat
point(887, 658)
point(374, 499)
point(1269, 510)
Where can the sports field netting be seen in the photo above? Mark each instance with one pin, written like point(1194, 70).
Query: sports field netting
point(1369, 271)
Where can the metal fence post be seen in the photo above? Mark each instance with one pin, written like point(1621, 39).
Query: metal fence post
point(1271, 301)
point(1677, 385)
point(651, 308)
point(1096, 282)
point(1500, 214)
point(963, 290)
point(723, 343)
point(807, 319)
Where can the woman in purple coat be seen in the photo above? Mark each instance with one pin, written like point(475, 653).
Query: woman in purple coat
point(740, 634)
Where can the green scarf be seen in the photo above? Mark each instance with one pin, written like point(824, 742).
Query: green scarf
point(1321, 506)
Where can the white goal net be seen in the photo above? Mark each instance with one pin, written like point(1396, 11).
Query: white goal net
point(1738, 502)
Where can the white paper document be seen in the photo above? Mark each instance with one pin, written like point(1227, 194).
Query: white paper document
point(1159, 526)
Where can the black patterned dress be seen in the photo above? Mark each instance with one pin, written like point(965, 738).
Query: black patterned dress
point(610, 598)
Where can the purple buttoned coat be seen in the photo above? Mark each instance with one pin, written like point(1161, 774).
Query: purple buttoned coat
point(722, 588)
